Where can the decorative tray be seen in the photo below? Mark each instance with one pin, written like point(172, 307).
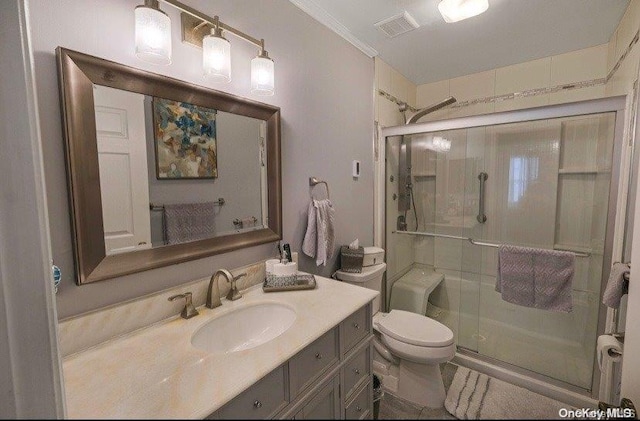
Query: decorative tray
point(303, 281)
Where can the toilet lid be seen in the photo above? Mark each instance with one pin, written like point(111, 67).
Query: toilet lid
point(415, 329)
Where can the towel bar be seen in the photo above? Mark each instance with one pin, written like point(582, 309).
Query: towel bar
point(313, 181)
point(154, 207)
point(474, 242)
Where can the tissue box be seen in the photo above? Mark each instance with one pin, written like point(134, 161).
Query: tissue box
point(373, 256)
point(351, 259)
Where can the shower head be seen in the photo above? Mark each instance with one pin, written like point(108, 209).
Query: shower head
point(435, 107)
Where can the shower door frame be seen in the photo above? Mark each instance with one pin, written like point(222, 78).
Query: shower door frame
point(613, 245)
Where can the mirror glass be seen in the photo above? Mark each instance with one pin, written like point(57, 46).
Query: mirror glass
point(161, 171)
point(172, 172)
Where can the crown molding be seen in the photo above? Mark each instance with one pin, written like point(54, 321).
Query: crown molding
point(311, 8)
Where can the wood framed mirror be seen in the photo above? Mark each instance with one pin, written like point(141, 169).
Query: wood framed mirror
point(78, 75)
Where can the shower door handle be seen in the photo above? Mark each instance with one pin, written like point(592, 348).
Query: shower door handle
point(482, 218)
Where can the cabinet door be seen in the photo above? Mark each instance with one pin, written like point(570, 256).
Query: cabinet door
point(325, 405)
point(261, 401)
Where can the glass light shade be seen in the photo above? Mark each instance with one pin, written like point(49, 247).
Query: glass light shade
point(153, 35)
point(441, 144)
point(216, 58)
point(262, 75)
point(456, 10)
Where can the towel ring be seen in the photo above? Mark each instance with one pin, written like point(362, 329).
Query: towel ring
point(313, 181)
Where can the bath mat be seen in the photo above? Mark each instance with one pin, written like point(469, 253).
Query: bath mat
point(473, 395)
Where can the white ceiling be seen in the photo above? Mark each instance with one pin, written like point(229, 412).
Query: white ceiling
point(510, 32)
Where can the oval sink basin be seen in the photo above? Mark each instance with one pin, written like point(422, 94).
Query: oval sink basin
point(244, 328)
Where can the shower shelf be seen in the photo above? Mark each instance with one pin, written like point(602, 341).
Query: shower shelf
point(582, 171)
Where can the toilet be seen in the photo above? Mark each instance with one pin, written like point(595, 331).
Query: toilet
point(412, 344)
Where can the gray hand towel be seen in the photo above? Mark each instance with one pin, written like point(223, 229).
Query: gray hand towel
point(616, 285)
point(310, 241)
point(189, 222)
point(325, 232)
point(536, 277)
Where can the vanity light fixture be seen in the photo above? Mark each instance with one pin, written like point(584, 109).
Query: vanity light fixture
point(457, 10)
point(262, 75)
point(216, 57)
point(153, 33)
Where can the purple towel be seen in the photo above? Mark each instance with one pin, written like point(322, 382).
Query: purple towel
point(536, 278)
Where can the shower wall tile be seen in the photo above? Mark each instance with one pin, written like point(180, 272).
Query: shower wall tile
point(383, 75)
point(579, 65)
point(519, 77)
point(611, 53)
point(627, 28)
point(477, 85)
point(431, 93)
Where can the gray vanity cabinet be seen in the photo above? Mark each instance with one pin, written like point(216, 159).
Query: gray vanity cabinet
point(323, 405)
point(329, 379)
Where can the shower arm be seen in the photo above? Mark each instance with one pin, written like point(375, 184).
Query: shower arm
point(435, 107)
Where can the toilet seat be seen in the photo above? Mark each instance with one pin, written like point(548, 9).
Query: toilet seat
point(415, 329)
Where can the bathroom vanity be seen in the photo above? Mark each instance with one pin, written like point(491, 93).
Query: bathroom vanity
point(318, 367)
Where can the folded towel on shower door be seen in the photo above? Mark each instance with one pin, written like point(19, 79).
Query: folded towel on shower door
point(319, 239)
point(617, 286)
point(536, 278)
point(189, 222)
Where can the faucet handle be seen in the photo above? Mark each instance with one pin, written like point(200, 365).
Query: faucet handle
point(189, 310)
point(234, 294)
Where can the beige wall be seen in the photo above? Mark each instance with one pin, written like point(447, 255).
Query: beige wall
point(575, 66)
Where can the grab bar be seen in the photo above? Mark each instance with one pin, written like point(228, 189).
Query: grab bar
point(482, 218)
point(474, 242)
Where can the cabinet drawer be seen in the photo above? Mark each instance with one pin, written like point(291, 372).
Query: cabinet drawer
point(356, 370)
point(260, 401)
point(360, 407)
point(354, 328)
point(309, 363)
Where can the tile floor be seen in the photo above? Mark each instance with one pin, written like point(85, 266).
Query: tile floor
point(394, 408)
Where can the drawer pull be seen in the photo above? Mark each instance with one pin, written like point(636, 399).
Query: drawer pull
point(357, 371)
point(358, 408)
point(356, 326)
point(318, 356)
point(257, 404)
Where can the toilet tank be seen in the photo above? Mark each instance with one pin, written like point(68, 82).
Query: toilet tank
point(370, 277)
point(373, 256)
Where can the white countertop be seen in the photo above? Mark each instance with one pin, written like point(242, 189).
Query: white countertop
point(155, 372)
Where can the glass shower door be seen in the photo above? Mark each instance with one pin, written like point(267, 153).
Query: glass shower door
point(547, 187)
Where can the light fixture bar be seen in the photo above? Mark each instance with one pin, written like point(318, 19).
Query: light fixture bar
point(211, 21)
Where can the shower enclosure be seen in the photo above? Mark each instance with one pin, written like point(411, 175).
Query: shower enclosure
point(544, 177)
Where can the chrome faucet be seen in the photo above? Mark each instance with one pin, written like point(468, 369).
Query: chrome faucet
point(213, 300)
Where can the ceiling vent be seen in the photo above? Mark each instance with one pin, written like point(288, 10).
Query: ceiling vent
point(397, 25)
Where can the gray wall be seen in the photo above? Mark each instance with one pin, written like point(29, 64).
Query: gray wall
point(324, 87)
point(30, 369)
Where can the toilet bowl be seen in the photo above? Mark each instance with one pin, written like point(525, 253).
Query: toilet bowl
point(412, 343)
